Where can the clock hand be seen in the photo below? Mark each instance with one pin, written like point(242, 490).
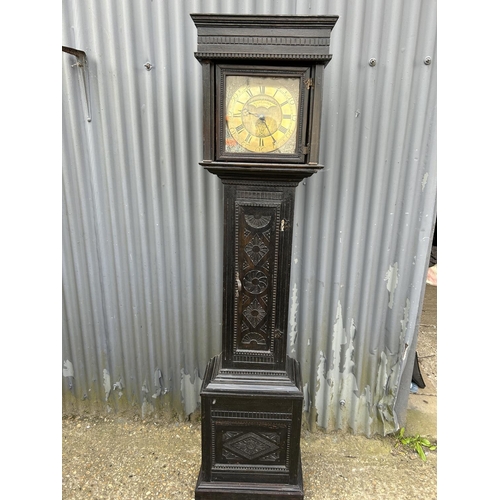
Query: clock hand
point(262, 118)
point(270, 133)
point(252, 113)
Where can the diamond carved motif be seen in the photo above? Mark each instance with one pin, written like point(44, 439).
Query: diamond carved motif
point(256, 249)
point(254, 313)
point(251, 446)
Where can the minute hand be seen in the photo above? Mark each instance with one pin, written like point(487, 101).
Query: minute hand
point(263, 118)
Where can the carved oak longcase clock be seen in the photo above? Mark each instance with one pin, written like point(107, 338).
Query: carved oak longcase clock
point(262, 88)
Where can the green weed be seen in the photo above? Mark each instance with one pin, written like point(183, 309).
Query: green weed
point(417, 443)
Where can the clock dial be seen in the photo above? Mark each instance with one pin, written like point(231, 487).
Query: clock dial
point(261, 114)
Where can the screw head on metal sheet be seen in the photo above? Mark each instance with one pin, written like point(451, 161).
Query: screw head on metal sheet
point(427, 60)
point(372, 62)
point(342, 402)
point(148, 66)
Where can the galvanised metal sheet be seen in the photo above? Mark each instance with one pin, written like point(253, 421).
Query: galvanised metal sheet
point(142, 221)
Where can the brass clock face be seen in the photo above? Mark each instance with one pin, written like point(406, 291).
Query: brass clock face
point(261, 114)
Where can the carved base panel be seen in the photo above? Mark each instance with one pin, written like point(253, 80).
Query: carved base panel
point(250, 435)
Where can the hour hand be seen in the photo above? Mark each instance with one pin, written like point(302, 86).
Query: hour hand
point(247, 111)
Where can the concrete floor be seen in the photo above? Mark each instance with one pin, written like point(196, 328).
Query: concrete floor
point(118, 458)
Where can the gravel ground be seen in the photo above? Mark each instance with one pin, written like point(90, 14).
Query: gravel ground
point(125, 459)
point(131, 459)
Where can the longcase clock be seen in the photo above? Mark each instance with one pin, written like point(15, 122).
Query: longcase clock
point(262, 88)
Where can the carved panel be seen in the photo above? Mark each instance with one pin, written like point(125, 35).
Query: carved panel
point(254, 313)
point(256, 249)
point(257, 221)
point(262, 444)
point(256, 257)
point(251, 445)
point(255, 282)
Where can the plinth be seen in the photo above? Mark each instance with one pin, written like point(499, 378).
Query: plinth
point(251, 430)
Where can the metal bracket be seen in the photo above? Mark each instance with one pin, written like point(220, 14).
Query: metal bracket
point(309, 83)
point(284, 225)
point(81, 62)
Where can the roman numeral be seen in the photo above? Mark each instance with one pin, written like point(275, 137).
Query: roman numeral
point(239, 128)
point(282, 129)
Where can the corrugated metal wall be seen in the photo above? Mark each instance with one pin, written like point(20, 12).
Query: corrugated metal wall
point(142, 221)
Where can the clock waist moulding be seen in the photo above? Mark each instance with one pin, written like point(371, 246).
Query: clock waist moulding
point(262, 94)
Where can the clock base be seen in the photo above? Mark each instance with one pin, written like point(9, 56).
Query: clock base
point(226, 490)
point(251, 423)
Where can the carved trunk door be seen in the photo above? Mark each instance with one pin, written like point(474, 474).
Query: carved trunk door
point(258, 267)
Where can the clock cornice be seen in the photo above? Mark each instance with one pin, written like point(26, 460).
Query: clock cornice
point(293, 38)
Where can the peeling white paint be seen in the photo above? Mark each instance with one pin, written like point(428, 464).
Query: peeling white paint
point(324, 391)
point(307, 399)
point(68, 369)
point(344, 380)
point(106, 382)
point(158, 383)
point(118, 386)
point(382, 374)
point(364, 416)
point(292, 322)
point(349, 383)
point(391, 277)
point(190, 391)
point(385, 391)
point(424, 180)
point(339, 334)
point(68, 373)
point(404, 326)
